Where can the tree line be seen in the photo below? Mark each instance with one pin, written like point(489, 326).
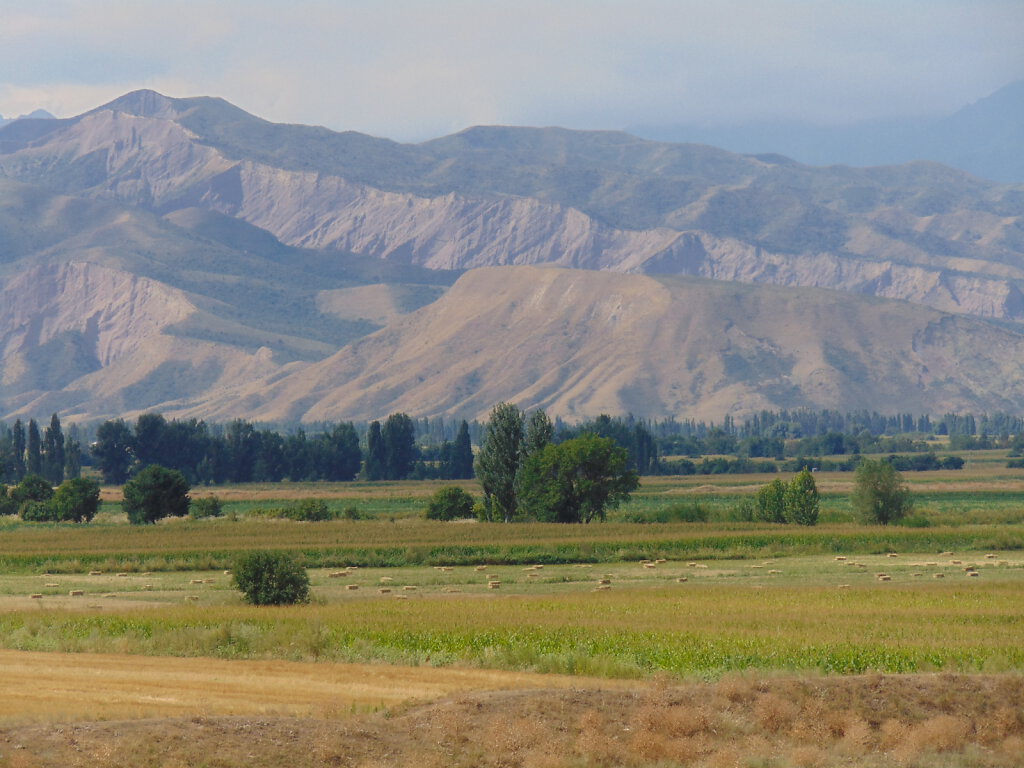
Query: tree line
point(239, 452)
point(25, 451)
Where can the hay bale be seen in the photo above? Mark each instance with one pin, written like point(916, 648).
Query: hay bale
point(95, 573)
point(35, 597)
point(351, 586)
point(682, 580)
point(76, 593)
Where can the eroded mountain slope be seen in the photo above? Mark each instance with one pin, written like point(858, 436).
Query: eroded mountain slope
point(579, 343)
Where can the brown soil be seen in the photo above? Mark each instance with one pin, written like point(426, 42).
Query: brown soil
point(940, 720)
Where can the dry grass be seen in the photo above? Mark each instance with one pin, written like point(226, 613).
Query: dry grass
point(872, 722)
point(54, 687)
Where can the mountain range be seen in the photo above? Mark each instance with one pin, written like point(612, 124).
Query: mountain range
point(185, 256)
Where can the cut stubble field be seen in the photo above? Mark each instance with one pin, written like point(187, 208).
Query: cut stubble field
point(410, 610)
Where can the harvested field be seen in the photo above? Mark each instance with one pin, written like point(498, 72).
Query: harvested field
point(872, 721)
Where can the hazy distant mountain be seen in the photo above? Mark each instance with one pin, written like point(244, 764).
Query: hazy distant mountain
point(185, 255)
point(38, 114)
point(984, 138)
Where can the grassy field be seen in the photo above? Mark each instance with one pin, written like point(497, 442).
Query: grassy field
point(715, 600)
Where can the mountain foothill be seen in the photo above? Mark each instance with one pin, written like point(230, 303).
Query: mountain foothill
point(186, 257)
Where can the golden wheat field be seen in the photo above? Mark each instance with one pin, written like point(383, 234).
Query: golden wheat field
point(643, 644)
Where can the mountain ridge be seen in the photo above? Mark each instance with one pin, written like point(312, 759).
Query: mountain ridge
point(316, 266)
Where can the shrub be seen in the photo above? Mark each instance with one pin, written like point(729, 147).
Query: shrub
point(207, 506)
point(450, 503)
point(156, 492)
point(37, 512)
point(7, 505)
point(76, 500)
point(270, 578)
point(309, 510)
point(31, 488)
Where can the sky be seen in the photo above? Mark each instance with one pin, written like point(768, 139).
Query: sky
point(411, 70)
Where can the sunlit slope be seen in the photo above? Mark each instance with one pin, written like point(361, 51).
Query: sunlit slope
point(580, 343)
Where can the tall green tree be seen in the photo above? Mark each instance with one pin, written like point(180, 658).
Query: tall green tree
point(879, 494)
point(576, 481)
point(19, 447)
point(53, 452)
point(33, 450)
point(540, 432)
point(399, 437)
point(154, 493)
point(341, 453)
point(497, 463)
point(76, 500)
point(802, 502)
point(462, 455)
point(771, 502)
point(376, 460)
point(112, 451)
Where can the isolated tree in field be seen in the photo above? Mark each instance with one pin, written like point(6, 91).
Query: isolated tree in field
point(879, 493)
point(576, 481)
point(802, 503)
point(450, 503)
point(156, 492)
point(76, 500)
point(498, 461)
point(771, 502)
point(270, 578)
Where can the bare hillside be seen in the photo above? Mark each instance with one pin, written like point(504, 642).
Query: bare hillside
point(579, 343)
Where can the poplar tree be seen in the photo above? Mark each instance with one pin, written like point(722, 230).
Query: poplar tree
point(33, 450)
point(497, 464)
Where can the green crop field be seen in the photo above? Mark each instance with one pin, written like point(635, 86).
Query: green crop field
point(390, 586)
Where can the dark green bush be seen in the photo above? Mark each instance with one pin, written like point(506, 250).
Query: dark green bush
point(450, 503)
point(207, 506)
point(270, 578)
point(309, 510)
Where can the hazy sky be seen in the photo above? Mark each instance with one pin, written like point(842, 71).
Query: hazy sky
point(415, 69)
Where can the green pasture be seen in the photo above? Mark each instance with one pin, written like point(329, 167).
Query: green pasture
point(685, 619)
point(390, 586)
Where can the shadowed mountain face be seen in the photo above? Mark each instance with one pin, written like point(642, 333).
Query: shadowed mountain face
point(282, 245)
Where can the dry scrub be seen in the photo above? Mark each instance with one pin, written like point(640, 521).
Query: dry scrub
point(872, 721)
